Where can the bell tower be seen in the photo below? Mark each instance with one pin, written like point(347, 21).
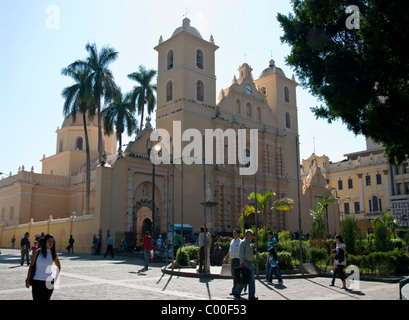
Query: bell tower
point(186, 74)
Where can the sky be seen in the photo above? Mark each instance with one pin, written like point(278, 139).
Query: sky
point(41, 37)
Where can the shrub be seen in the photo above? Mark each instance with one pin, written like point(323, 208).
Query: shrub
point(285, 260)
point(262, 260)
point(192, 252)
point(225, 245)
point(382, 240)
point(185, 254)
point(182, 257)
point(315, 255)
point(284, 236)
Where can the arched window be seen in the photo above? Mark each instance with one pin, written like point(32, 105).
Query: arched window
point(249, 110)
point(170, 59)
point(264, 91)
point(375, 203)
point(258, 114)
point(60, 146)
point(200, 91)
point(238, 107)
point(199, 59)
point(169, 91)
point(79, 144)
point(287, 120)
point(286, 94)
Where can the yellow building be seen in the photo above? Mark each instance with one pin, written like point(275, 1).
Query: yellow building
point(361, 182)
point(122, 200)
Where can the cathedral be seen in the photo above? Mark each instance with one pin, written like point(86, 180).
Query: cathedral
point(131, 194)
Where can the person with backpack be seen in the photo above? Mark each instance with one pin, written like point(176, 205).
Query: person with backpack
point(272, 260)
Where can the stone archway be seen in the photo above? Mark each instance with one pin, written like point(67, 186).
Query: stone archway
point(142, 219)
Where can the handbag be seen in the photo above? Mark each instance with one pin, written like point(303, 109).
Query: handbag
point(241, 275)
point(33, 269)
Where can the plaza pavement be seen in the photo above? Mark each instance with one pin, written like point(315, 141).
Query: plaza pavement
point(87, 277)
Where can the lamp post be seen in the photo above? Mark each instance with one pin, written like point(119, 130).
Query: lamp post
point(156, 149)
point(299, 200)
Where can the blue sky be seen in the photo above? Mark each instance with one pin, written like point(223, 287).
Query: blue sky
point(33, 55)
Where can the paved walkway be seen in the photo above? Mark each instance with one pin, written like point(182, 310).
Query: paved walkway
point(86, 277)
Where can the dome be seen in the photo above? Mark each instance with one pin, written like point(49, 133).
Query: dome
point(68, 122)
point(272, 69)
point(187, 28)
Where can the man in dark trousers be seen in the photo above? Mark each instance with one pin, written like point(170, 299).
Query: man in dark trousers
point(25, 248)
point(147, 247)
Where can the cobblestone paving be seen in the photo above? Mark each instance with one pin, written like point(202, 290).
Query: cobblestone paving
point(86, 277)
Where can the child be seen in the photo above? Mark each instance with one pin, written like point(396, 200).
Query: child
point(34, 247)
point(334, 268)
point(275, 269)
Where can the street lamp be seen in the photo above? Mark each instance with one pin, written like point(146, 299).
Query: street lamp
point(157, 149)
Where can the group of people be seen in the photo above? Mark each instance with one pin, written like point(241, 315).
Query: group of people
point(241, 254)
point(39, 276)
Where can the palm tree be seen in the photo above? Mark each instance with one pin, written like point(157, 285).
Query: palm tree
point(283, 204)
point(144, 92)
point(119, 114)
point(389, 221)
point(321, 211)
point(78, 99)
point(100, 79)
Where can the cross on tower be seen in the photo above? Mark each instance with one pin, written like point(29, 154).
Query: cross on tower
point(187, 11)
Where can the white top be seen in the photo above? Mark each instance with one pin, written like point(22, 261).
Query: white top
point(234, 250)
point(341, 246)
point(43, 267)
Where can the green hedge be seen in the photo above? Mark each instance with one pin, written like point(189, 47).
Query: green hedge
point(381, 263)
point(285, 261)
point(185, 254)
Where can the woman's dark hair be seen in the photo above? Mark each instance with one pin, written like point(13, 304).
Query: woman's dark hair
point(339, 238)
point(44, 247)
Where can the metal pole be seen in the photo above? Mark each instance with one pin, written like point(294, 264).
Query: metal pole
point(153, 200)
point(299, 201)
point(204, 197)
point(256, 218)
point(173, 210)
point(181, 200)
point(167, 219)
point(242, 197)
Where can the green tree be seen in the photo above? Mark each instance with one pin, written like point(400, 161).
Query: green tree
point(390, 223)
point(350, 233)
point(119, 114)
point(361, 75)
point(100, 79)
point(283, 204)
point(144, 93)
point(321, 211)
point(78, 99)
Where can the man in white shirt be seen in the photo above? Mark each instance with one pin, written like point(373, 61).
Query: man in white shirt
point(234, 253)
point(203, 242)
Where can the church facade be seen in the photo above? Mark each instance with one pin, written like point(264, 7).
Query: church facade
point(131, 194)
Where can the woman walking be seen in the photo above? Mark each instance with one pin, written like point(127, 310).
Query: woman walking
point(341, 259)
point(40, 275)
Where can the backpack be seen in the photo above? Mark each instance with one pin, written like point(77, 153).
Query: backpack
point(340, 255)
